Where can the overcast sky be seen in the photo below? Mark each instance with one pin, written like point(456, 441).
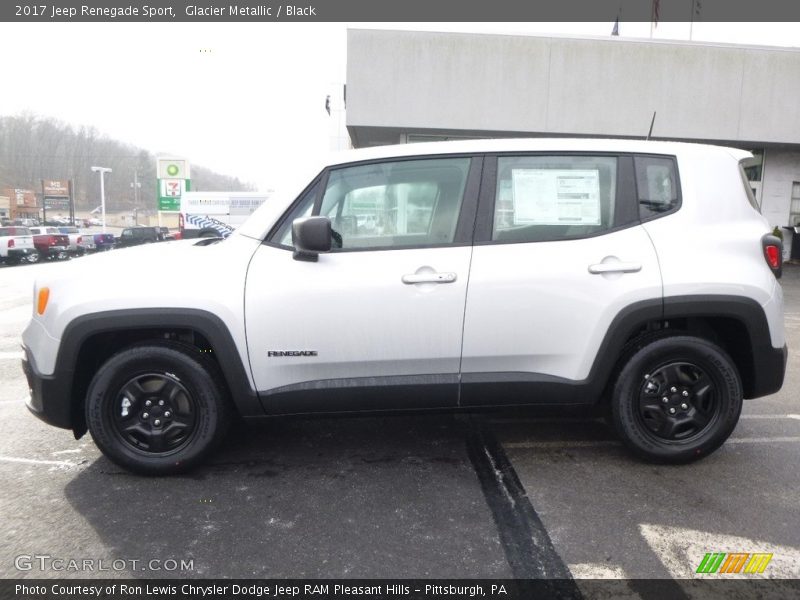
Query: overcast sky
point(251, 103)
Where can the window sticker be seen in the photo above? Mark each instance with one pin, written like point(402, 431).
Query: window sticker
point(556, 196)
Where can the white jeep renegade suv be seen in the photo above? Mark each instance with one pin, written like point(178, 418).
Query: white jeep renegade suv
point(449, 275)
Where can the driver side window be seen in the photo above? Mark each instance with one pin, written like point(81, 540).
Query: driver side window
point(303, 209)
point(398, 204)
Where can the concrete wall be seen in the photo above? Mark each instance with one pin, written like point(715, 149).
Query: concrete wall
point(450, 82)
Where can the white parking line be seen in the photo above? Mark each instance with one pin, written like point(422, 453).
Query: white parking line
point(770, 417)
point(682, 550)
point(560, 444)
point(544, 420)
point(597, 571)
point(764, 440)
point(33, 461)
point(608, 443)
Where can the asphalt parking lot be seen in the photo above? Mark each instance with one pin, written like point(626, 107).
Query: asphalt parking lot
point(486, 496)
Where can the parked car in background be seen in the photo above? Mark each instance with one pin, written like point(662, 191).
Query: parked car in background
point(104, 241)
point(57, 222)
point(135, 236)
point(26, 222)
point(165, 234)
point(79, 244)
point(216, 214)
point(92, 222)
point(16, 245)
point(50, 242)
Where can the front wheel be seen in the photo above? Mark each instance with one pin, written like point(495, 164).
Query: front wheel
point(677, 400)
point(157, 409)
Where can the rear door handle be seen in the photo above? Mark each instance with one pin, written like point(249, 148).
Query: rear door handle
point(429, 278)
point(615, 267)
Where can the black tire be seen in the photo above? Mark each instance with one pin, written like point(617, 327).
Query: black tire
point(676, 400)
point(208, 233)
point(193, 419)
point(12, 262)
point(32, 258)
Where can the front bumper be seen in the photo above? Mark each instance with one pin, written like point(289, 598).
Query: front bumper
point(49, 395)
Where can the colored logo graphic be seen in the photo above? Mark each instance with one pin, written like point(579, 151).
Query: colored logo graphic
point(734, 562)
point(172, 170)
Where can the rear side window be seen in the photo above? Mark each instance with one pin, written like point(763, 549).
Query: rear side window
point(546, 198)
point(657, 185)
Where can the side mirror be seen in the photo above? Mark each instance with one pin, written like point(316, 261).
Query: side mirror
point(310, 236)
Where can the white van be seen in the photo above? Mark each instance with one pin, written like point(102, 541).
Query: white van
point(216, 214)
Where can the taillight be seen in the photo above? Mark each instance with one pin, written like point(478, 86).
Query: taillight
point(773, 253)
point(11, 243)
point(80, 239)
point(51, 240)
point(180, 221)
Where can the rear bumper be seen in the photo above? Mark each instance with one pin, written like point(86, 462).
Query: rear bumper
point(770, 369)
point(55, 250)
point(49, 396)
point(20, 252)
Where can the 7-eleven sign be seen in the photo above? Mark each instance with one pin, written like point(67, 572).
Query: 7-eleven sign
point(172, 188)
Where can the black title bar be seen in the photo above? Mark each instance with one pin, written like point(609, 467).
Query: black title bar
point(388, 589)
point(404, 10)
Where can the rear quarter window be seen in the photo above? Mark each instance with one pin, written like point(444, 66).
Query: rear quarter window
point(657, 185)
point(748, 190)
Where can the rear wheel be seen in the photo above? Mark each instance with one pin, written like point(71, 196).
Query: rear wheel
point(157, 409)
point(677, 399)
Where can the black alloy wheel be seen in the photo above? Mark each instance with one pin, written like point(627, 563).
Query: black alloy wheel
point(158, 408)
point(676, 399)
point(154, 413)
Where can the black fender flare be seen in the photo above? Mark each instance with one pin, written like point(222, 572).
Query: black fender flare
point(207, 324)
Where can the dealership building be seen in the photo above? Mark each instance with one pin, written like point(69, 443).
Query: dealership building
point(406, 86)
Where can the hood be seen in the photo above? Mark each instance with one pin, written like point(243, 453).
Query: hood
point(174, 274)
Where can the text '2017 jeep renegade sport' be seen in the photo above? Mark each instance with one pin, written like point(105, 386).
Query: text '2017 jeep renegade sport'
point(447, 275)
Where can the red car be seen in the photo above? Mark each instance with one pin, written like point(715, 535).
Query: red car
point(50, 242)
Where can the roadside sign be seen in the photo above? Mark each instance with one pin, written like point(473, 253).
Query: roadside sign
point(173, 182)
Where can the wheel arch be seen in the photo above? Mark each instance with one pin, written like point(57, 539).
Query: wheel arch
point(90, 340)
point(737, 324)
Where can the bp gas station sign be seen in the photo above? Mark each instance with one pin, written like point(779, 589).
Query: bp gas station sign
point(173, 182)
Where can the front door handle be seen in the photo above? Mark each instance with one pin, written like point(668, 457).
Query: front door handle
point(615, 267)
point(429, 278)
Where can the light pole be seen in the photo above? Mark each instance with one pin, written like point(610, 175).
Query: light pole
point(102, 171)
point(136, 185)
